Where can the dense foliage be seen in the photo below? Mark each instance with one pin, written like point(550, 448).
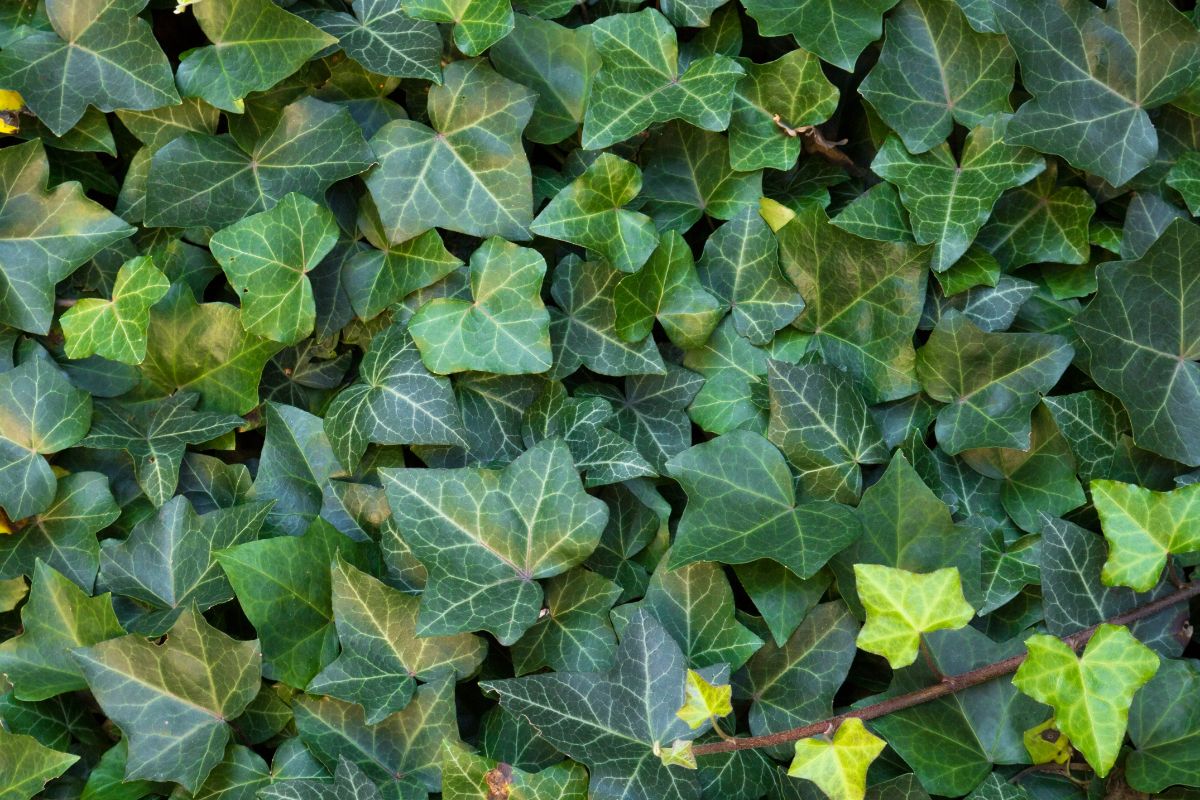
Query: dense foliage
point(723, 399)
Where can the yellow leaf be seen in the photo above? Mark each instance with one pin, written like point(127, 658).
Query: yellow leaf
point(1046, 744)
point(11, 104)
point(678, 755)
point(838, 767)
point(703, 701)
point(901, 605)
point(775, 213)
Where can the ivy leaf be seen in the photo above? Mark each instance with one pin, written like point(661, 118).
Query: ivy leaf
point(704, 701)
point(694, 603)
point(688, 175)
point(1040, 222)
point(395, 401)
point(588, 213)
point(255, 44)
point(478, 24)
point(600, 453)
point(861, 322)
point(58, 617)
point(935, 71)
point(1164, 726)
point(156, 433)
point(466, 173)
point(349, 783)
point(640, 81)
point(198, 179)
point(574, 635)
point(385, 40)
point(1184, 178)
point(297, 465)
point(1090, 694)
point(267, 258)
point(947, 200)
point(793, 683)
point(555, 61)
point(377, 278)
point(820, 422)
point(1143, 528)
point(740, 266)
point(791, 86)
point(505, 330)
point(99, 53)
point(583, 327)
point(1147, 357)
point(116, 328)
point(466, 776)
point(612, 722)
point(666, 289)
point(171, 700)
point(28, 765)
point(401, 754)
point(487, 535)
point(381, 653)
point(46, 235)
point(1092, 115)
point(991, 381)
point(41, 413)
point(63, 535)
point(902, 605)
point(838, 766)
point(836, 36)
point(742, 506)
point(166, 565)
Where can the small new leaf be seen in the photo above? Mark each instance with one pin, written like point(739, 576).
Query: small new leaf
point(704, 702)
point(838, 766)
point(902, 605)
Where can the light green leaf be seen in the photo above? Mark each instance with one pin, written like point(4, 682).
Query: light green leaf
point(694, 603)
point(267, 258)
point(1038, 222)
point(478, 24)
point(835, 32)
point(588, 213)
point(1094, 74)
point(172, 700)
point(385, 40)
point(640, 81)
point(742, 506)
point(28, 765)
point(255, 44)
point(838, 766)
point(583, 328)
point(991, 381)
point(395, 401)
point(688, 176)
point(666, 289)
point(1143, 528)
point(381, 653)
point(792, 87)
point(506, 327)
point(283, 586)
point(1090, 694)
point(222, 362)
point(155, 433)
point(486, 536)
point(41, 413)
point(166, 565)
point(1151, 368)
point(820, 422)
point(470, 777)
point(58, 617)
point(740, 266)
point(401, 754)
point(935, 71)
point(198, 179)
point(467, 171)
point(556, 62)
point(614, 721)
point(902, 605)
point(116, 328)
point(46, 235)
point(574, 634)
point(861, 319)
point(100, 53)
point(947, 200)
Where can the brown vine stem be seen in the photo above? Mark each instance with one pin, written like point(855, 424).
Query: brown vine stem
point(948, 686)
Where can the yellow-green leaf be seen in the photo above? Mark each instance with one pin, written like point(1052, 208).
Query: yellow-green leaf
point(1143, 527)
point(838, 767)
point(116, 328)
point(703, 701)
point(901, 605)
